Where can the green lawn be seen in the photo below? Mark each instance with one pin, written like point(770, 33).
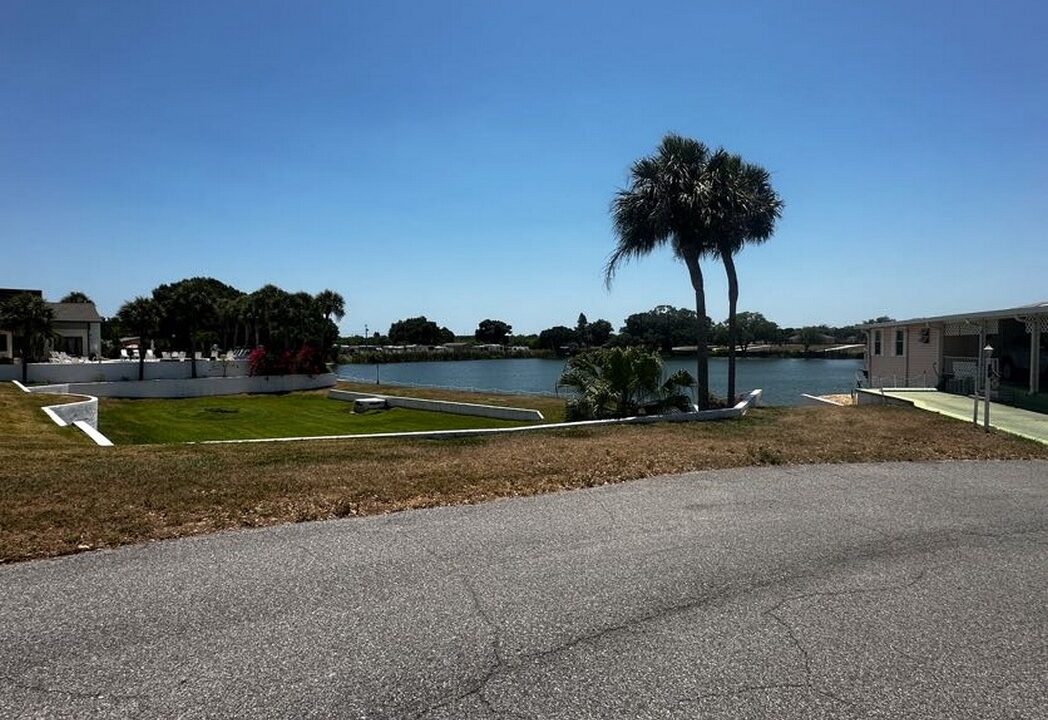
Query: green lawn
point(263, 416)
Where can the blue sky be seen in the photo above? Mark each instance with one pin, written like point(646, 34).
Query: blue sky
point(457, 159)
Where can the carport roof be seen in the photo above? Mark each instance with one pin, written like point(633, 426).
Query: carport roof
point(1022, 311)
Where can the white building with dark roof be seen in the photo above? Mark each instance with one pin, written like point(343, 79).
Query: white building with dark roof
point(77, 327)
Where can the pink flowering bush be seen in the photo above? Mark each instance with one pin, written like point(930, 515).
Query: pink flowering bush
point(307, 360)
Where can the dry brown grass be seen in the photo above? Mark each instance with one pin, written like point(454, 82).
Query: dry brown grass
point(24, 426)
point(61, 495)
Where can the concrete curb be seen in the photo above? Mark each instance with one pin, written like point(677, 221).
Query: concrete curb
point(816, 400)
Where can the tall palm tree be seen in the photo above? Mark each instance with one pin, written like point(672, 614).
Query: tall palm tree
point(748, 208)
point(193, 306)
point(267, 303)
point(30, 319)
point(670, 200)
point(331, 304)
point(142, 315)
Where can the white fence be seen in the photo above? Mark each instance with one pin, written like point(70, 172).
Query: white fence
point(121, 370)
point(201, 387)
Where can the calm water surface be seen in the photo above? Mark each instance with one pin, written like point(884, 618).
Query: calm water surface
point(782, 379)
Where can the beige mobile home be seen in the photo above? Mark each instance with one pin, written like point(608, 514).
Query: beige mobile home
point(944, 352)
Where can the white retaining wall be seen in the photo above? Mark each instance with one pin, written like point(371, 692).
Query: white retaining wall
point(875, 396)
point(455, 408)
point(118, 370)
point(201, 387)
point(85, 410)
point(82, 414)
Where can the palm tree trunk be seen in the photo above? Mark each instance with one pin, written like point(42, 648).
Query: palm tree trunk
point(141, 357)
point(192, 353)
point(25, 360)
point(733, 330)
point(702, 364)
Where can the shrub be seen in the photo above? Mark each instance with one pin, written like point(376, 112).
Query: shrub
point(619, 382)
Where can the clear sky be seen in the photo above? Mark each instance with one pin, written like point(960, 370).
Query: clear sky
point(457, 159)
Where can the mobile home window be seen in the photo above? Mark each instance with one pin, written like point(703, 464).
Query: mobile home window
point(900, 342)
point(876, 342)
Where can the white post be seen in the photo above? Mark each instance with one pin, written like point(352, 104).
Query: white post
point(986, 388)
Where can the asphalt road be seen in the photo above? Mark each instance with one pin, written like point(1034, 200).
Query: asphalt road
point(882, 591)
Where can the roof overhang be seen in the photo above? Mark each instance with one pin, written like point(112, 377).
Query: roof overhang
point(1023, 311)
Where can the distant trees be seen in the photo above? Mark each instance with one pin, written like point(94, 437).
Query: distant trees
point(200, 312)
point(556, 337)
point(598, 333)
point(753, 327)
point(662, 327)
point(809, 336)
point(419, 331)
point(492, 331)
point(76, 297)
point(29, 318)
point(620, 382)
point(585, 334)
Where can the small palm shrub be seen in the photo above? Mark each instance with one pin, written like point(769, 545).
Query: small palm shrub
point(622, 382)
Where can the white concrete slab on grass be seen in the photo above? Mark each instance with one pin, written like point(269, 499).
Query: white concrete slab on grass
point(751, 400)
point(498, 412)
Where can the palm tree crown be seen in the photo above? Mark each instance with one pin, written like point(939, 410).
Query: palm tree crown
point(331, 304)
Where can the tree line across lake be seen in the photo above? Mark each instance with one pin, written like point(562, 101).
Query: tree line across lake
point(662, 328)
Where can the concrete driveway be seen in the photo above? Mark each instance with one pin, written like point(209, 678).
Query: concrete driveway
point(887, 591)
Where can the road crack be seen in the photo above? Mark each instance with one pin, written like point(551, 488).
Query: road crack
point(79, 694)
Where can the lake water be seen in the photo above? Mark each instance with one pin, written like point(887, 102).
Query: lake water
point(782, 379)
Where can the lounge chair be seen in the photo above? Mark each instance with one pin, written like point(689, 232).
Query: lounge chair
point(123, 354)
